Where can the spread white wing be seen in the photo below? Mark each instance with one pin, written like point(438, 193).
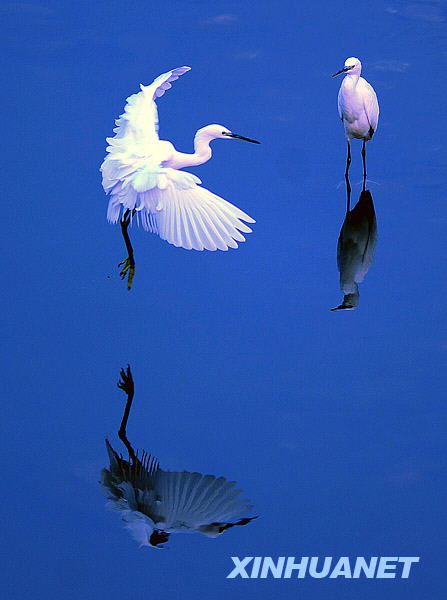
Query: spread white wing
point(150, 499)
point(190, 500)
point(174, 206)
point(168, 202)
point(136, 131)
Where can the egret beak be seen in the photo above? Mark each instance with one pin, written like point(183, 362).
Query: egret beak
point(343, 70)
point(350, 301)
point(241, 137)
point(342, 307)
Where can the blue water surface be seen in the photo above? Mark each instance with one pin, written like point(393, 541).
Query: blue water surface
point(331, 422)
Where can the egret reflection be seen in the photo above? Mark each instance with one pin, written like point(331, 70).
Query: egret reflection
point(356, 248)
point(155, 503)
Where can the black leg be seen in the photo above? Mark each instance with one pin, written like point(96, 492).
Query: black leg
point(348, 194)
point(126, 384)
point(348, 158)
point(348, 185)
point(364, 164)
point(129, 262)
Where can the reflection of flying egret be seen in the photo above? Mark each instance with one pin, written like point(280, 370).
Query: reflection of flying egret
point(356, 248)
point(358, 108)
point(142, 175)
point(155, 503)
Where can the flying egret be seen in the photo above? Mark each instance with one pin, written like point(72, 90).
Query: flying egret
point(155, 503)
point(358, 109)
point(141, 174)
point(356, 248)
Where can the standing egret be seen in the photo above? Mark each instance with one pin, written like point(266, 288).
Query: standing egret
point(155, 503)
point(358, 109)
point(356, 248)
point(141, 174)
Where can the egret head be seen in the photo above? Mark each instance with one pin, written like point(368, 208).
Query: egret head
point(350, 301)
point(219, 131)
point(352, 67)
point(158, 538)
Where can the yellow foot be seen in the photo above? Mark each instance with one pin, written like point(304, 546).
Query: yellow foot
point(128, 270)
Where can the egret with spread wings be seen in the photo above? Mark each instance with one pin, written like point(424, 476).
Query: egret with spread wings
point(358, 108)
point(155, 503)
point(143, 177)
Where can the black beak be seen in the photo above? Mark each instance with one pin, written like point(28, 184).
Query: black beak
point(241, 137)
point(343, 70)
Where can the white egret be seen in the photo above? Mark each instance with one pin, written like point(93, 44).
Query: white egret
point(155, 503)
point(356, 248)
point(141, 174)
point(358, 108)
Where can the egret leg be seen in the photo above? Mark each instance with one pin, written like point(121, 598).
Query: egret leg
point(129, 262)
point(348, 194)
point(348, 184)
point(364, 163)
point(126, 384)
point(348, 158)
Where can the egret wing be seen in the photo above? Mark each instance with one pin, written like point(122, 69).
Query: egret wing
point(136, 142)
point(189, 500)
point(138, 474)
point(137, 128)
point(172, 204)
point(370, 104)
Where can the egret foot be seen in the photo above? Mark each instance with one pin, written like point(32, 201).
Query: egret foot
point(128, 269)
point(126, 382)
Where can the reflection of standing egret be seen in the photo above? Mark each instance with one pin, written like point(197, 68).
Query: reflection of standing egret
point(358, 109)
point(155, 503)
point(356, 247)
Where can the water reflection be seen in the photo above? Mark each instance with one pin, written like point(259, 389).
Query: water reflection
point(356, 246)
point(154, 503)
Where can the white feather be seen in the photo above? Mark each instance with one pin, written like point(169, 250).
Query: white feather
point(190, 500)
